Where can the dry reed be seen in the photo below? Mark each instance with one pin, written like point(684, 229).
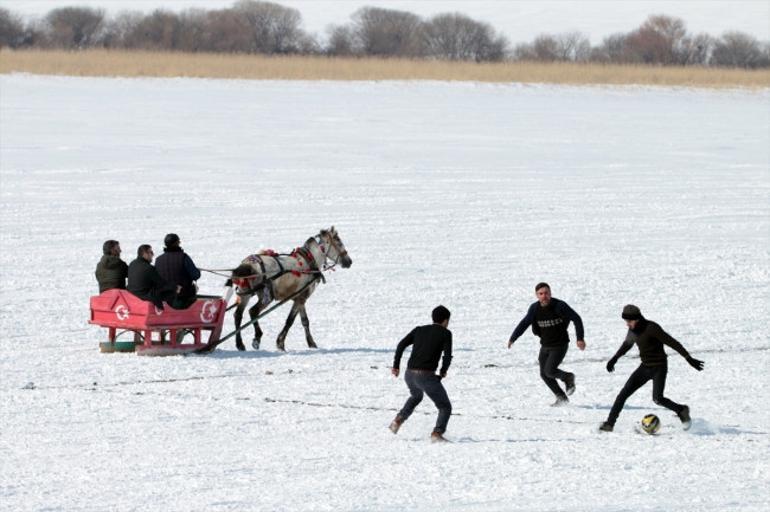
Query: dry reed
point(258, 67)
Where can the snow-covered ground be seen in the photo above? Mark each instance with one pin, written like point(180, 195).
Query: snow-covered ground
point(461, 194)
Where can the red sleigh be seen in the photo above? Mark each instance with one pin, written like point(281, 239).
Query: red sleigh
point(155, 331)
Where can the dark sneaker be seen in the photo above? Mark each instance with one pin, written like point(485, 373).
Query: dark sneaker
point(684, 415)
point(396, 424)
point(606, 427)
point(569, 382)
point(437, 437)
point(560, 401)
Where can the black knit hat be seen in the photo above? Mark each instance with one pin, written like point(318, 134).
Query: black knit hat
point(171, 240)
point(631, 312)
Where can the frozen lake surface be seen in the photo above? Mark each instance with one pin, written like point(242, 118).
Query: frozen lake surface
point(460, 194)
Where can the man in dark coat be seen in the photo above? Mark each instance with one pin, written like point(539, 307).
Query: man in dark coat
point(429, 342)
point(650, 338)
point(111, 271)
point(145, 282)
point(177, 268)
point(549, 318)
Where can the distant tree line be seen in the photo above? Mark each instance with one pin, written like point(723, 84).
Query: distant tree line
point(256, 27)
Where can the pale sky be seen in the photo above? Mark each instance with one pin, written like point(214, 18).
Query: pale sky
point(520, 20)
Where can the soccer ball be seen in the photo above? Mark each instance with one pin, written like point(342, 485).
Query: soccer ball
point(650, 424)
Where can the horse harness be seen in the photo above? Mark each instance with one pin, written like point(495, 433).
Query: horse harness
point(299, 254)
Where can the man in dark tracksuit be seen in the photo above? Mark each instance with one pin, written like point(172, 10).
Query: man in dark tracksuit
point(429, 341)
point(111, 271)
point(650, 338)
point(549, 318)
point(177, 268)
point(145, 282)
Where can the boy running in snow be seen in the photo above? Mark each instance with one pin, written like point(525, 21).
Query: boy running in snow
point(429, 342)
point(549, 318)
point(650, 338)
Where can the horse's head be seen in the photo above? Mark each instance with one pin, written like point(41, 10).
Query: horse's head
point(335, 249)
point(245, 278)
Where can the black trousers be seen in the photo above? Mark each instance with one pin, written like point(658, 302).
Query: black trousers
point(550, 358)
point(638, 379)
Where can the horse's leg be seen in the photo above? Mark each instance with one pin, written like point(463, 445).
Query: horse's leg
point(238, 317)
point(254, 313)
point(306, 325)
point(289, 321)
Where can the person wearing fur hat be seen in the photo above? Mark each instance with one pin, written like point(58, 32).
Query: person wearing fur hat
point(650, 338)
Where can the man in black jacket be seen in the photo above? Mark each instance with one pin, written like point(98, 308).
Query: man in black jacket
point(177, 268)
point(549, 318)
point(429, 341)
point(650, 338)
point(145, 282)
point(111, 271)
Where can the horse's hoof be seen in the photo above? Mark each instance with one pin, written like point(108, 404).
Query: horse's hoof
point(239, 346)
point(255, 344)
point(312, 344)
point(281, 348)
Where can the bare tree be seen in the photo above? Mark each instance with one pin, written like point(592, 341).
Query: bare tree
point(458, 37)
point(573, 46)
point(117, 29)
point(11, 29)
point(612, 49)
point(274, 28)
point(158, 31)
point(193, 31)
point(546, 48)
point(566, 47)
point(697, 50)
point(524, 51)
point(74, 27)
point(222, 31)
point(765, 62)
point(736, 49)
point(307, 44)
point(660, 40)
point(387, 33)
point(341, 41)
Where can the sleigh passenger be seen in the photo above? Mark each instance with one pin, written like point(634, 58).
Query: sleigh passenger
point(111, 271)
point(145, 282)
point(176, 267)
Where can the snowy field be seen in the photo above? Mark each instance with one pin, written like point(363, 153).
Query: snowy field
point(460, 194)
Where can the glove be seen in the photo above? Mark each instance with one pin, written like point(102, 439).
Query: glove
point(695, 363)
point(611, 365)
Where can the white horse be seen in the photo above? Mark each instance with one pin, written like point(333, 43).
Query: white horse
point(270, 276)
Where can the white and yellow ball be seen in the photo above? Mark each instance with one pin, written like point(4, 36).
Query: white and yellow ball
point(650, 424)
